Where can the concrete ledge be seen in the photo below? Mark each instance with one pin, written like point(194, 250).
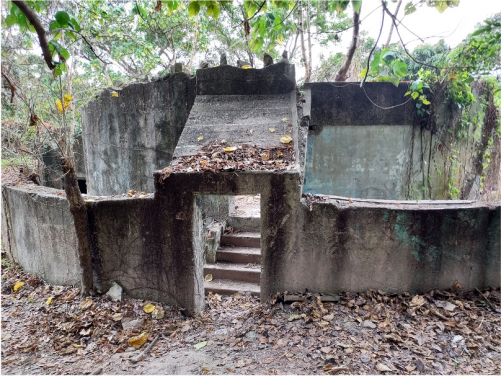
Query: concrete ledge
point(341, 103)
point(228, 80)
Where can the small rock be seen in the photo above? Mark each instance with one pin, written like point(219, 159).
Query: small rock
point(134, 324)
point(115, 292)
point(369, 324)
point(364, 358)
point(250, 334)
point(329, 317)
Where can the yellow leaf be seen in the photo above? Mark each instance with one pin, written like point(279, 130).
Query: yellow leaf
point(203, 163)
point(230, 149)
point(59, 106)
point(86, 304)
point(285, 139)
point(77, 346)
point(114, 94)
point(148, 308)
point(138, 341)
point(247, 67)
point(67, 97)
point(272, 130)
point(286, 120)
point(18, 285)
point(200, 138)
point(49, 301)
point(208, 277)
point(453, 76)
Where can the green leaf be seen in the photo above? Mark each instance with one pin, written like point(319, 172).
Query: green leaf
point(441, 5)
point(389, 57)
point(356, 5)
point(415, 95)
point(10, 20)
point(75, 25)
point(59, 35)
point(58, 71)
point(62, 18)
point(31, 28)
point(426, 102)
point(395, 81)
point(21, 20)
point(406, 94)
point(193, 8)
point(400, 68)
point(363, 73)
point(64, 54)
point(71, 35)
point(54, 25)
point(409, 8)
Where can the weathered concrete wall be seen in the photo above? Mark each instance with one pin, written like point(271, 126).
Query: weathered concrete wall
point(38, 233)
point(240, 106)
point(393, 247)
point(363, 143)
point(128, 137)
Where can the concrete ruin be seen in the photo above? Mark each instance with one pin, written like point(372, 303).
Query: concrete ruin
point(166, 138)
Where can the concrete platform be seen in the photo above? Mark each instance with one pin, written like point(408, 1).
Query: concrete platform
point(239, 255)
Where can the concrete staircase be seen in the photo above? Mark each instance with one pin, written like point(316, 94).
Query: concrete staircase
point(238, 260)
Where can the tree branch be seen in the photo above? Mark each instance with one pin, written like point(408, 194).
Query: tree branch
point(42, 36)
point(341, 74)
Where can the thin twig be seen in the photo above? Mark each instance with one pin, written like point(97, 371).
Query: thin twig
point(373, 48)
point(146, 351)
point(488, 302)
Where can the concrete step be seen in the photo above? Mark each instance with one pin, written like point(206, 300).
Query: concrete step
point(229, 287)
point(242, 255)
point(242, 239)
point(235, 272)
point(247, 224)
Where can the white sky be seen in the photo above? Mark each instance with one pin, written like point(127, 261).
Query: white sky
point(453, 25)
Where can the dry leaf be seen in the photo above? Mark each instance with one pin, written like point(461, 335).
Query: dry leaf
point(138, 341)
point(285, 139)
point(86, 304)
point(117, 316)
point(158, 313)
point(382, 368)
point(49, 301)
point(272, 130)
point(199, 345)
point(18, 285)
point(417, 301)
point(148, 308)
point(114, 94)
point(230, 149)
point(208, 277)
point(200, 138)
point(294, 317)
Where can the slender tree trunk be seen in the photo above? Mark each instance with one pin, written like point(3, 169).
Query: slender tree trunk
point(341, 75)
point(75, 199)
point(392, 25)
point(310, 61)
point(79, 212)
point(194, 46)
point(303, 47)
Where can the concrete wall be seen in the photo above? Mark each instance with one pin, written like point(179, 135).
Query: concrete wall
point(126, 138)
point(368, 143)
point(38, 233)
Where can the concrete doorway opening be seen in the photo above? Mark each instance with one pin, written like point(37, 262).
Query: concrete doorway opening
point(233, 259)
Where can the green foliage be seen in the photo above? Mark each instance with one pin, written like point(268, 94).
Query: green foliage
point(440, 5)
point(386, 66)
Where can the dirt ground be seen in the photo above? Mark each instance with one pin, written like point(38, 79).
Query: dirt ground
point(52, 330)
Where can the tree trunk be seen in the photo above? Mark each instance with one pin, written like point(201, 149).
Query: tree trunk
point(392, 25)
point(341, 75)
point(310, 62)
point(73, 195)
point(303, 47)
point(79, 212)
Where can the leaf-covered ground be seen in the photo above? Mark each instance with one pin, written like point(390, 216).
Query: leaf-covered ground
point(52, 330)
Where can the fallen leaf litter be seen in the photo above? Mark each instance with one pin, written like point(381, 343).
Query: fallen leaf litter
point(441, 332)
